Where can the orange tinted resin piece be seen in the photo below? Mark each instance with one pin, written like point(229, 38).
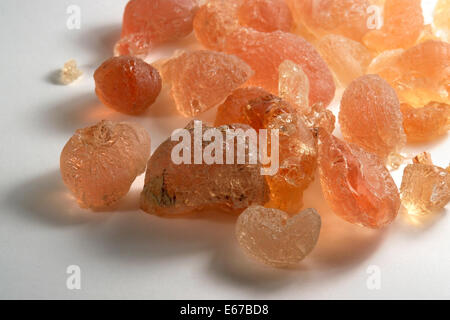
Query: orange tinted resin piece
point(403, 24)
point(99, 163)
point(441, 21)
point(173, 189)
point(425, 188)
point(127, 84)
point(274, 238)
point(265, 15)
point(203, 79)
point(426, 123)
point(370, 116)
point(264, 52)
point(420, 74)
point(345, 17)
point(348, 59)
point(356, 184)
point(147, 23)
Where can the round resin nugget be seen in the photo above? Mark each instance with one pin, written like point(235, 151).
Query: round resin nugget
point(441, 21)
point(345, 17)
point(273, 237)
point(356, 184)
point(99, 163)
point(147, 23)
point(370, 116)
point(426, 123)
point(348, 59)
point(265, 15)
point(264, 52)
point(127, 84)
point(177, 184)
point(203, 79)
point(425, 188)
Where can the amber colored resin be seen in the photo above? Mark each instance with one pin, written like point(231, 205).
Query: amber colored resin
point(70, 72)
point(274, 238)
point(426, 123)
point(127, 84)
point(425, 188)
point(441, 20)
point(403, 24)
point(174, 189)
point(203, 79)
point(356, 184)
point(99, 163)
point(370, 116)
point(265, 15)
point(147, 23)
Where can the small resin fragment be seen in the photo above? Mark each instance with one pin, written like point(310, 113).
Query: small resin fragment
point(127, 84)
point(274, 238)
point(320, 118)
point(203, 79)
point(419, 74)
point(356, 184)
point(426, 123)
point(265, 15)
point(348, 59)
point(344, 17)
point(403, 24)
point(425, 188)
point(423, 158)
point(70, 72)
point(99, 163)
point(174, 188)
point(147, 23)
point(370, 116)
point(293, 85)
point(441, 20)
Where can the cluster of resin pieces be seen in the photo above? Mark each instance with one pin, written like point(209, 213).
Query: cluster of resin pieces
point(273, 65)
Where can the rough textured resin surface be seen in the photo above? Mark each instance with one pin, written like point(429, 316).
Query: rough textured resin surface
point(356, 184)
point(345, 17)
point(441, 19)
point(297, 150)
point(264, 52)
point(403, 24)
point(70, 72)
point(425, 188)
point(147, 23)
point(265, 15)
point(273, 237)
point(420, 74)
point(348, 59)
point(202, 79)
point(426, 123)
point(99, 163)
point(127, 84)
point(370, 116)
point(175, 189)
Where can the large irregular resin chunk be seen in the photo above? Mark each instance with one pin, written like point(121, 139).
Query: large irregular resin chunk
point(127, 84)
point(345, 17)
point(297, 150)
point(403, 24)
point(265, 15)
point(99, 163)
point(356, 184)
point(147, 23)
point(441, 20)
point(70, 72)
point(425, 187)
point(370, 116)
point(348, 59)
point(426, 123)
point(264, 52)
point(202, 79)
point(293, 87)
point(420, 74)
point(274, 238)
point(174, 188)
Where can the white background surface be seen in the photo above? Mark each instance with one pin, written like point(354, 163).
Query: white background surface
point(129, 254)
